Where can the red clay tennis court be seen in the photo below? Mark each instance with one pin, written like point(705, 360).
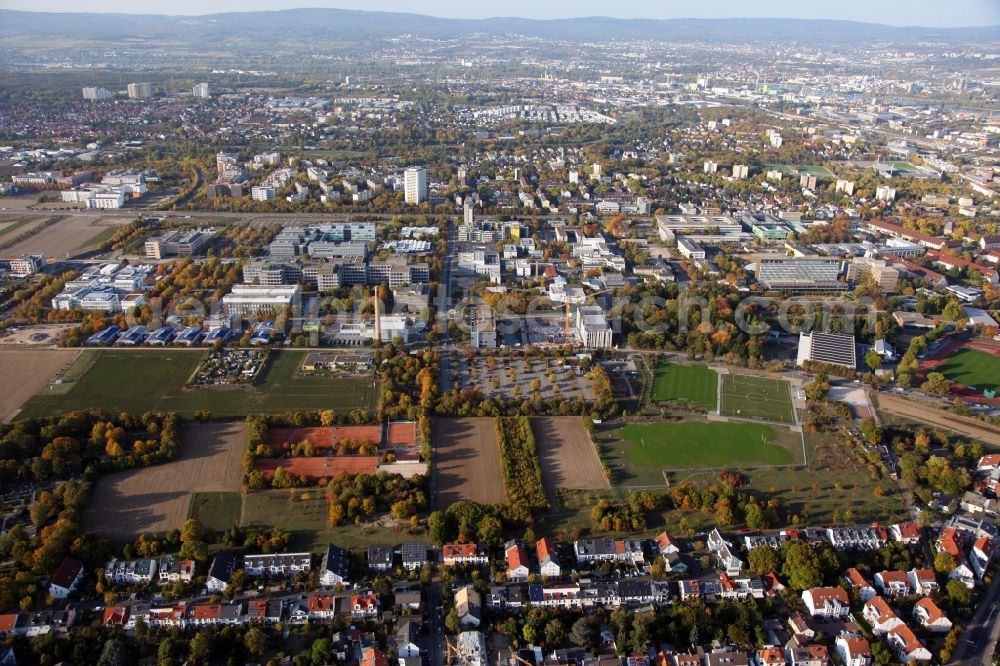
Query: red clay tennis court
point(319, 467)
point(324, 437)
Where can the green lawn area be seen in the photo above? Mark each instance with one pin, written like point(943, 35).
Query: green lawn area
point(14, 226)
point(905, 167)
point(804, 169)
point(971, 367)
point(100, 237)
point(303, 512)
point(757, 398)
point(833, 483)
point(692, 444)
point(142, 380)
point(694, 383)
point(815, 170)
point(216, 511)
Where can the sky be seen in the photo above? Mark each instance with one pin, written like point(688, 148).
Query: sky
point(931, 13)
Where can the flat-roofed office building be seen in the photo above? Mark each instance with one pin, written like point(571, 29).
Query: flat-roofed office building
point(830, 348)
point(785, 273)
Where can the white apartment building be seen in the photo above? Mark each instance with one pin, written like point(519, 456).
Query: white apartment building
point(140, 90)
point(96, 94)
point(416, 185)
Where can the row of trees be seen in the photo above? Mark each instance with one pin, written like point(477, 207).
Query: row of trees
point(522, 473)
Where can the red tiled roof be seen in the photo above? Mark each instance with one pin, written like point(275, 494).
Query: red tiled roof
point(115, 615)
point(990, 460)
point(917, 236)
point(959, 262)
point(858, 646)
point(66, 573)
point(257, 608)
point(881, 607)
point(459, 550)
point(206, 611)
point(663, 540)
point(894, 577)
point(516, 556)
point(856, 579)
point(8, 622)
point(321, 602)
point(375, 657)
point(364, 600)
point(907, 636)
point(933, 612)
point(948, 542)
point(821, 594)
point(545, 549)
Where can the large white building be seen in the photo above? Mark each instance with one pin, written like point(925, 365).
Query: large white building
point(830, 348)
point(179, 243)
point(26, 265)
point(96, 94)
point(416, 185)
point(107, 288)
point(262, 193)
point(201, 90)
point(95, 197)
point(247, 299)
point(592, 327)
point(140, 90)
point(781, 272)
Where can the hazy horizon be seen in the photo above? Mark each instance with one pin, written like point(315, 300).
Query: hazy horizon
point(924, 13)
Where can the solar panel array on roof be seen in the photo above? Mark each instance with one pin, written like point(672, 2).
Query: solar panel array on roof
point(828, 348)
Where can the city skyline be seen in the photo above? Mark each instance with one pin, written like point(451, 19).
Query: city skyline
point(962, 13)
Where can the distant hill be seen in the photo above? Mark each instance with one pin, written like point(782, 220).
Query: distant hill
point(325, 26)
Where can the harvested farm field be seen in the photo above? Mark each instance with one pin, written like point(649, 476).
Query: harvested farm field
point(467, 462)
point(567, 454)
point(26, 371)
point(155, 500)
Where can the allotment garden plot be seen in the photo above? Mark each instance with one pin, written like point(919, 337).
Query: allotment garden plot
point(756, 399)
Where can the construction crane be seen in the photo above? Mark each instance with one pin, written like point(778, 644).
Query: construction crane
point(515, 658)
point(453, 655)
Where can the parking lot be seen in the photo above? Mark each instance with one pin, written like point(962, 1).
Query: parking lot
point(517, 377)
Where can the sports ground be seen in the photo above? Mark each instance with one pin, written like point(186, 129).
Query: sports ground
point(972, 368)
point(697, 384)
point(802, 170)
point(757, 399)
point(697, 444)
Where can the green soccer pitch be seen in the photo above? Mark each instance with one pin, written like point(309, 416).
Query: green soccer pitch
point(757, 399)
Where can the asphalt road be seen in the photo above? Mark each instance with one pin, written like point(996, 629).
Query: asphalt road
point(977, 645)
